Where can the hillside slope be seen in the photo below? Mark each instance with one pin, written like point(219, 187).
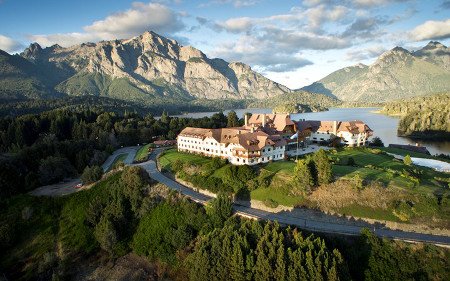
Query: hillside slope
point(20, 79)
point(396, 74)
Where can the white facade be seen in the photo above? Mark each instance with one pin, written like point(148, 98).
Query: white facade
point(350, 139)
point(321, 136)
point(235, 153)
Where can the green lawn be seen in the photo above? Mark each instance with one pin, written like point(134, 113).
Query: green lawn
point(280, 196)
point(280, 166)
point(142, 153)
point(364, 157)
point(169, 156)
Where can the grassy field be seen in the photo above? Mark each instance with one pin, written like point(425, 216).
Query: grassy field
point(382, 168)
point(142, 153)
point(170, 155)
point(279, 195)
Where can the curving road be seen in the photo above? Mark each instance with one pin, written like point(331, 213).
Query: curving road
point(290, 218)
point(67, 187)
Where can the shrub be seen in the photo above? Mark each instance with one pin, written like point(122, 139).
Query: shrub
point(91, 174)
point(376, 141)
point(54, 169)
point(407, 160)
point(270, 203)
point(106, 235)
point(351, 161)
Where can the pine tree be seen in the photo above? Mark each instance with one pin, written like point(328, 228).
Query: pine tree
point(237, 269)
point(303, 176)
point(232, 119)
point(280, 267)
point(324, 169)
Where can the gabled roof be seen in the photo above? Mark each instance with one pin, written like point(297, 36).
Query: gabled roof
point(275, 121)
point(240, 136)
point(353, 127)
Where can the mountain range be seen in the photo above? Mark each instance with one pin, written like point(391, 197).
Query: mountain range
point(140, 69)
point(150, 69)
point(396, 74)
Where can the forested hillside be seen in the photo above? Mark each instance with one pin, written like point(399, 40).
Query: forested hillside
point(127, 213)
point(296, 101)
point(422, 117)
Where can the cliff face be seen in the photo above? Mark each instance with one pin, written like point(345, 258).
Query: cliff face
point(396, 74)
point(148, 66)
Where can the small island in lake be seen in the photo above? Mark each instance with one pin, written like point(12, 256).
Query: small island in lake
point(291, 107)
point(424, 117)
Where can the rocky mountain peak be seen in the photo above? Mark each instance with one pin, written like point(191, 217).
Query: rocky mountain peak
point(32, 52)
point(433, 45)
point(396, 55)
point(148, 66)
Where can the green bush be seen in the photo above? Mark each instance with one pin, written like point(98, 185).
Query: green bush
point(271, 203)
point(407, 160)
point(91, 174)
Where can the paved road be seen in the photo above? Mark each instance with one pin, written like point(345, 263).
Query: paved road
point(67, 187)
point(291, 218)
point(130, 151)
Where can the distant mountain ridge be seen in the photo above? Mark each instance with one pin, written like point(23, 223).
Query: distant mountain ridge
point(139, 69)
point(397, 73)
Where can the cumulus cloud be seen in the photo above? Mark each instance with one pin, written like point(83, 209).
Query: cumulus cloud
point(139, 18)
point(260, 54)
point(376, 3)
point(276, 49)
point(236, 25)
point(9, 45)
point(431, 30)
point(368, 53)
point(365, 27)
point(235, 3)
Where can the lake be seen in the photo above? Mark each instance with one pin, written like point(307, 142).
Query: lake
point(383, 126)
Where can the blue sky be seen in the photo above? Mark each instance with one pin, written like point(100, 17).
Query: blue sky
point(292, 42)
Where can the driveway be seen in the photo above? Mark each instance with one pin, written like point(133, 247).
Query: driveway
point(293, 218)
point(130, 151)
point(67, 187)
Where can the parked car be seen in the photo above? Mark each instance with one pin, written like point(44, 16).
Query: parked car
point(78, 186)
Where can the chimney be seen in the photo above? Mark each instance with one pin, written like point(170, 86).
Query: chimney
point(246, 119)
point(335, 128)
point(264, 120)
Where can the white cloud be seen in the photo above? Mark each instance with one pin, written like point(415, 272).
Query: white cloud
point(368, 53)
point(235, 3)
point(134, 21)
point(9, 45)
point(373, 3)
point(431, 30)
point(236, 25)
